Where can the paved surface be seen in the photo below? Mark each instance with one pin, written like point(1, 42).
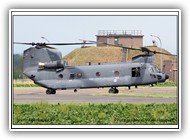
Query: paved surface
point(28, 95)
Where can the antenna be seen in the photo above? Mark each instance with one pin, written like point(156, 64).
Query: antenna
point(44, 38)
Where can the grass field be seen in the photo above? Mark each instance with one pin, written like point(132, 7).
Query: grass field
point(90, 113)
point(24, 83)
point(154, 95)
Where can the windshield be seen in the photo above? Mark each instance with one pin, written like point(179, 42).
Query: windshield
point(156, 69)
point(153, 69)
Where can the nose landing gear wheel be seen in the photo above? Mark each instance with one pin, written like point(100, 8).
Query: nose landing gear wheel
point(50, 91)
point(113, 90)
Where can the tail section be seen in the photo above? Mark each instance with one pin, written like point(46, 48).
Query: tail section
point(33, 56)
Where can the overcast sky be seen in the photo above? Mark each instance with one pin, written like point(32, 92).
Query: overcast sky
point(73, 28)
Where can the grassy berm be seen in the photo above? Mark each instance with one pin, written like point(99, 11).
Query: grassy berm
point(90, 113)
point(109, 54)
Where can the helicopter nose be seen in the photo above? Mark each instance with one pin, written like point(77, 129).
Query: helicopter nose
point(166, 76)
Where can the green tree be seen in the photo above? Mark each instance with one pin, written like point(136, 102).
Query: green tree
point(17, 66)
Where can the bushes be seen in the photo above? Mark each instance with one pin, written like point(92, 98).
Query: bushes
point(167, 84)
point(111, 113)
point(24, 83)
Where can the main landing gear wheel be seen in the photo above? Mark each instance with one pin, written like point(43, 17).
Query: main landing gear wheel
point(113, 90)
point(50, 91)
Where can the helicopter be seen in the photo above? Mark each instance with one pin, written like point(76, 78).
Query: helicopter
point(45, 67)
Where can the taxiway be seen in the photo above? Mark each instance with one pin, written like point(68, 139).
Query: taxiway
point(31, 95)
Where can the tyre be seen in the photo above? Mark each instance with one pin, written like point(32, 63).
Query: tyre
point(50, 91)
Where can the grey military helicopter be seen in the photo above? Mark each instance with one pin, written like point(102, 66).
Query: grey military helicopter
point(44, 65)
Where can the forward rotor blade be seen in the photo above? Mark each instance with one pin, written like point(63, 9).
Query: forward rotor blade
point(113, 45)
point(155, 52)
point(142, 49)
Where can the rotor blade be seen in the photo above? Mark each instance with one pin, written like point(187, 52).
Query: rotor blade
point(155, 52)
point(50, 47)
point(46, 47)
point(44, 44)
point(113, 45)
point(142, 49)
point(25, 43)
point(38, 45)
point(67, 43)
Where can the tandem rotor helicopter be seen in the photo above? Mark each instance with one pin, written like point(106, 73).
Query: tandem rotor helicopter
point(44, 65)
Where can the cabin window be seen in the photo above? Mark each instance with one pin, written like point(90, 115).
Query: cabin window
point(136, 72)
point(79, 75)
point(98, 74)
point(72, 76)
point(116, 73)
point(60, 76)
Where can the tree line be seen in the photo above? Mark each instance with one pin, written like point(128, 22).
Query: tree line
point(17, 66)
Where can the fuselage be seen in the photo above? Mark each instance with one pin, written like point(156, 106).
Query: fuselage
point(95, 76)
point(46, 68)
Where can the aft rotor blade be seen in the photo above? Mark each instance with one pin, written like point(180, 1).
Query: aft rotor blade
point(44, 44)
point(25, 43)
point(67, 43)
point(38, 45)
point(47, 47)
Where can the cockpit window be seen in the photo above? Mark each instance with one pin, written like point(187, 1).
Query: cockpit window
point(152, 70)
point(157, 70)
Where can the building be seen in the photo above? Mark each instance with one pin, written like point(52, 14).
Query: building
point(170, 68)
point(126, 38)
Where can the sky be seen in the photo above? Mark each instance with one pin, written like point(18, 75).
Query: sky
point(72, 28)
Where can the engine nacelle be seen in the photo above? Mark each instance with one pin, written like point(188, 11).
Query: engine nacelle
point(52, 65)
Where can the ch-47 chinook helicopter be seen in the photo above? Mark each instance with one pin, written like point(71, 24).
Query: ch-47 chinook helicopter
point(44, 65)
